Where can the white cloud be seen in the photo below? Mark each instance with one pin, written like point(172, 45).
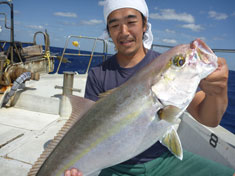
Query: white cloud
point(38, 27)
point(66, 14)
point(92, 22)
point(68, 23)
point(193, 27)
point(169, 41)
point(170, 14)
point(16, 11)
point(217, 16)
point(170, 31)
point(101, 3)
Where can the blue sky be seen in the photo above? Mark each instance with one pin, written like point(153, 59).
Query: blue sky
point(173, 22)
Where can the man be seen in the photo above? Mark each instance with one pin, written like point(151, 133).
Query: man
point(130, 31)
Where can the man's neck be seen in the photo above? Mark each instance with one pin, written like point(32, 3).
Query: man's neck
point(128, 61)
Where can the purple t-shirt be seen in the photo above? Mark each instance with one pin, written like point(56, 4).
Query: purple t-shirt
point(109, 75)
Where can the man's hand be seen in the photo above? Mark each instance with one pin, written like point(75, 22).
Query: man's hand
point(72, 172)
point(216, 82)
point(209, 105)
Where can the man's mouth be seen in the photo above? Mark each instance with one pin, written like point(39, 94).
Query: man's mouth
point(126, 42)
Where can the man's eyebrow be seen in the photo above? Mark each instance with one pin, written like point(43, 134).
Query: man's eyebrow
point(112, 21)
point(115, 19)
point(131, 16)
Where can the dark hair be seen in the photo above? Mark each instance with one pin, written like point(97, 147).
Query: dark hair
point(144, 20)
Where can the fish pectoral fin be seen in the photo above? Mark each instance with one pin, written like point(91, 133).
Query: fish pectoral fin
point(169, 113)
point(172, 141)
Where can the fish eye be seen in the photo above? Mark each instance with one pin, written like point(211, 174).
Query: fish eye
point(178, 60)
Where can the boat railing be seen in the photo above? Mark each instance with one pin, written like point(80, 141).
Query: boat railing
point(214, 50)
point(10, 4)
point(5, 20)
point(106, 44)
point(46, 40)
point(224, 50)
point(92, 52)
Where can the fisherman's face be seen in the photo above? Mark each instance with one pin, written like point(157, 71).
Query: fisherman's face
point(126, 30)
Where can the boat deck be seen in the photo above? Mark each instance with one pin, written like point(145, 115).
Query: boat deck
point(25, 128)
point(23, 135)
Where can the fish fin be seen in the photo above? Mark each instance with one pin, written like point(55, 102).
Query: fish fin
point(169, 113)
point(108, 92)
point(79, 107)
point(172, 141)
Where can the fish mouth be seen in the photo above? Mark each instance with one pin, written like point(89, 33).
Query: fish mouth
point(205, 54)
point(198, 43)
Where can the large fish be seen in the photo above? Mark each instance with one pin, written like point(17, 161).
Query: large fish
point(131, 118)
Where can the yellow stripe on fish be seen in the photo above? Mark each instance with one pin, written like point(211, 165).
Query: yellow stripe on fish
point(122, 123)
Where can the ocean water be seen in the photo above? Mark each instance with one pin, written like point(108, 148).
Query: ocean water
point(80, 64)
point(77, 63)
point(228, 120)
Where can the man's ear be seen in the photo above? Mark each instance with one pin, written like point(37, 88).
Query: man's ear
point(145, 24)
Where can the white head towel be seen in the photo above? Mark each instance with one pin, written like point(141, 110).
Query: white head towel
point(140, 5)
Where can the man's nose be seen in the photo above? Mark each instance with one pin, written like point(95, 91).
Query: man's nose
point(124, 29)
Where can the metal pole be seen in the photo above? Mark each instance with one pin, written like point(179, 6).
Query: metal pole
point(12, 28)
point(68, 83)
point(12, 33)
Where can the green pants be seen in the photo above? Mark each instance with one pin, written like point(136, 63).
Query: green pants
point(169, 165)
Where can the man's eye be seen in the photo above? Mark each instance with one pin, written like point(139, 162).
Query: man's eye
point(132, 22)
point(114, 26)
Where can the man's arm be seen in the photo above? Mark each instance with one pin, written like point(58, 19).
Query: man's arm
point(209, 104)
point(92, 89)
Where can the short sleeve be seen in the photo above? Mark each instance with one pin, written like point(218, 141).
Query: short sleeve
point(92, 87)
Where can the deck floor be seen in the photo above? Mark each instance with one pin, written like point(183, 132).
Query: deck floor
point(25, 131)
